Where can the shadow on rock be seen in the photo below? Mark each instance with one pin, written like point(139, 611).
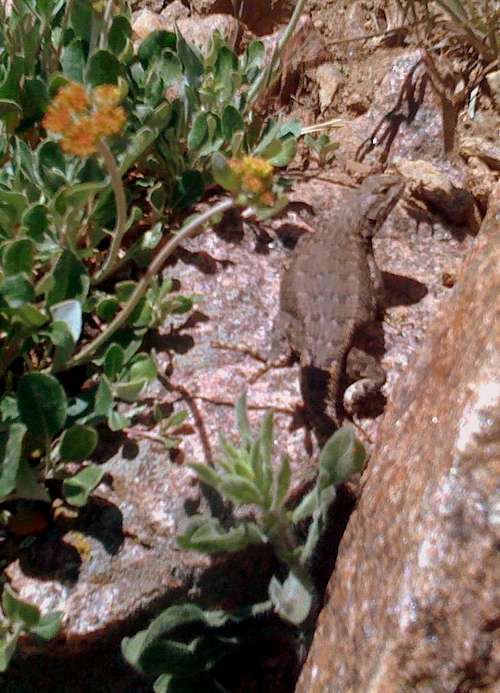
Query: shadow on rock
point(424, 216)
point(103, 521)
point(175, 340)
point(402, 291)
point(410, 98)
point(51, 558)
point(203, 261)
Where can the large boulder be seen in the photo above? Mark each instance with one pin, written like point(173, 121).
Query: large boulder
point(414, 603)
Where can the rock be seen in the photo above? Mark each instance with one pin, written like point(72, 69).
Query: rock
point(206, 7)
point(153, 5)
point(414, 601)
point(328, 77)
point(144, 22)
point(358, 103)
point(196, 30)
point(480, 180)
point(174, 11)
point(478, 145)
point(403, 120)
point(120, 559)
point(260, 16)
point(485, 149)
point(436, 189)
point(199, 30)
point(304, 52)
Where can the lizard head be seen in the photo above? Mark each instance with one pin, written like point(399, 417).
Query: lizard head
point(377, 197)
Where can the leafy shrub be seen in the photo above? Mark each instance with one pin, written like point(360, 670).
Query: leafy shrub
point(20, 617)
point(80, 253)
point(477, 23)
point(245, 476)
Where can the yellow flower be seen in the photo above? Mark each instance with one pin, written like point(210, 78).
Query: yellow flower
point(82, 123)
point(253, 184)
point(80, 138)
point(106, 96)
point(57, 119)
point(109, 121)
point(255, 177)
point(257, 166)
point(267, 198)
point(72, 96)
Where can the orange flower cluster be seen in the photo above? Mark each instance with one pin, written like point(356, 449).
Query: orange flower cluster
point(83, 120)
point(256, 177)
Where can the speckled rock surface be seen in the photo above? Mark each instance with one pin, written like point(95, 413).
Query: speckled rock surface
point(414, 603)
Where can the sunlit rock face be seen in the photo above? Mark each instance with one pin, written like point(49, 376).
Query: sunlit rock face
point(414, 601)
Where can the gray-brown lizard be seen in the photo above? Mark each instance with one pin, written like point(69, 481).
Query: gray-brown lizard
point(330, 292)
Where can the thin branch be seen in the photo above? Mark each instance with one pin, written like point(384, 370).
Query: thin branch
point(186, 232)
point(121, 213)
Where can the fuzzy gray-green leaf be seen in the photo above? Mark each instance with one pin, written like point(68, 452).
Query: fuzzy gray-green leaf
point(242, 419)
point(342, 456)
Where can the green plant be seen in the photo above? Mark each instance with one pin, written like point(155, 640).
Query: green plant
point(323, 147)
point(104, 151)
point(245, 476)
point(476, 22)
point(21, 617)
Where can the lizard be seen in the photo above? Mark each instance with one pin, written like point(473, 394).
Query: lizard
point(330, 292)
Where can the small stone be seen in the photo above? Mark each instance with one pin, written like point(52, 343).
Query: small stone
point(357, 103)
point(432, 186)
point(448, 279)
point(329, 78)
point(359, 170)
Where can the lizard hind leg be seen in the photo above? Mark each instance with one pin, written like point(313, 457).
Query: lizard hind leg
point(323, 417)
point(367, 377)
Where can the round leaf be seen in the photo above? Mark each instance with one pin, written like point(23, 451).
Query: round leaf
point(42, 404)
point(113, 361)
point(232, 121)
point(198, 132)
point(17, 290)
point(70, 313)
point(223, 174)
point(107, 308)
point(143, 368)
point(77, 489)
point(78, 443)
point(103, 68)
point(69, 279)
point(35, 222)
point(18, 256)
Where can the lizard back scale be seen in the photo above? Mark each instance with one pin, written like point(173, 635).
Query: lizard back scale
point(329, 291)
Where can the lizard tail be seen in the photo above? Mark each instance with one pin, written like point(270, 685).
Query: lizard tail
point(334, 408)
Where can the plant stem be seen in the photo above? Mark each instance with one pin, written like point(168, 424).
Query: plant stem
point(284, 543)
point(107, 20)
point(263, 81)
point(64, 24)
point(185, 232)
point(121, 213)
